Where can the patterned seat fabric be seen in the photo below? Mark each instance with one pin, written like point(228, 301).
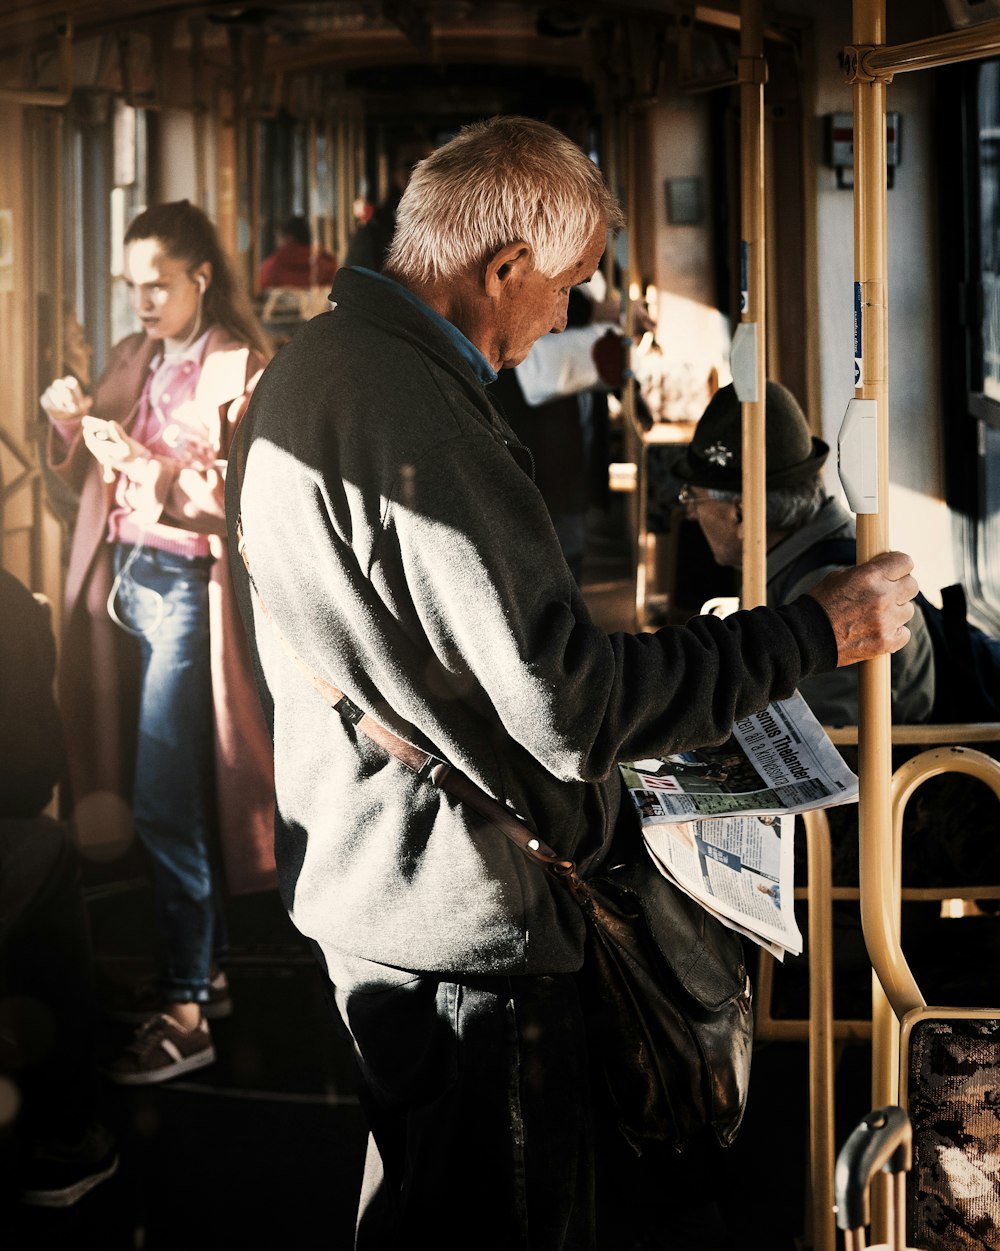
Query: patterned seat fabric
point(954, 1107)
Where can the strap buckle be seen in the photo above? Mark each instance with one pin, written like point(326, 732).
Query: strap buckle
point(351, 713)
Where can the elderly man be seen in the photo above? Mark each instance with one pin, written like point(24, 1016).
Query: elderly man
point(809, 533)
point(400, 551)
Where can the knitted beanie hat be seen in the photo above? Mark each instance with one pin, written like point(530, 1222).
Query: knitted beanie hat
point(715, 456)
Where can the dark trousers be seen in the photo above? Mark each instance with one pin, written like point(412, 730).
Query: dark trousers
point(488, 1126)
point(47, 1000)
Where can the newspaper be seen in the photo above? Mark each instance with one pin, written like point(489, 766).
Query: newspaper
point(776, 761)
point(739, 868)
point(719, 821)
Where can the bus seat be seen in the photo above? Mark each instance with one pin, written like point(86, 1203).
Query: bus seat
point(951, 1084)
point(941, 1063)
point(820, 1028)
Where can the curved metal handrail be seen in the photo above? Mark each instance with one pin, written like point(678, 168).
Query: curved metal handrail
point(881, 869)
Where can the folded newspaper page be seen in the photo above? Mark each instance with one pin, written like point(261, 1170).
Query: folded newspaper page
point(719, 821)
point(776, 761)
point(739, 868)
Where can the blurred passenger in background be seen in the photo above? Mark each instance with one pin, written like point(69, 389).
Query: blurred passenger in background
point(370, 243)
point(54, 1147)
point(295, 262)
point(164, 729)
point(556, 402)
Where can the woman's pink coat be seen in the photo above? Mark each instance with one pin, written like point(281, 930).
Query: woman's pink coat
point(98, 674)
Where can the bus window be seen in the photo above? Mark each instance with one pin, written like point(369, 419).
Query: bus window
point(971, 356)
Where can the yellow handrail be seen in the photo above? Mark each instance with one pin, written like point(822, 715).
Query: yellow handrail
point(881, 869)
point(968, 44)
point(752, 75)
point(894, 989)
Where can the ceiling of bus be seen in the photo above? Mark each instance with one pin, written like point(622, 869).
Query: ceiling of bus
point(159, 49)
point(398, 55)
point(345, 32)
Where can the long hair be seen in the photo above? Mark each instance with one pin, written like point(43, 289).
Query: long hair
point(498, 182)
point(188, 235)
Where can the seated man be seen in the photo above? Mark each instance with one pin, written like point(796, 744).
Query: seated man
point(801, 518)
point(803, 522)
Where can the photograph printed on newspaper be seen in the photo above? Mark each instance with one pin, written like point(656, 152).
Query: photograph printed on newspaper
point(739, 868)
point(719, 821)
point(776, 761)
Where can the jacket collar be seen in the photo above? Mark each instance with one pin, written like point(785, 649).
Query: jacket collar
point(368, 295)
point(481, 367)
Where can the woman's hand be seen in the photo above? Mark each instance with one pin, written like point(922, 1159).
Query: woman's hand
point(63, 400)
point(112, 447)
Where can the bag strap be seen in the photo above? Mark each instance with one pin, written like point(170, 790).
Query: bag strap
point(439, 772)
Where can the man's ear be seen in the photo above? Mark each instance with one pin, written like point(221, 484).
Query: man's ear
point(506, 264)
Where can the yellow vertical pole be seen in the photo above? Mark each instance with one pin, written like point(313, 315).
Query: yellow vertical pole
point(750, 377)
point(254, 257)
point(822, 1133)
point(628, 124)
point(343, 158)
point(312, 181)
point(874, 708)
point(226, 172)
point(200, 111)
point(753, 269)
point(330, 209)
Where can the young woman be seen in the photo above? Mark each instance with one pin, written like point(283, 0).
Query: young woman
point(164, 731)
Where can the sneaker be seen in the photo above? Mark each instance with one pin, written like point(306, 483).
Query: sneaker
point(160, 1050)
point(59, 1174)
point(138, 1002)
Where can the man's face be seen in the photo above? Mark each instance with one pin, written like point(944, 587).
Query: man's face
point(535, 304)
point(721, 523)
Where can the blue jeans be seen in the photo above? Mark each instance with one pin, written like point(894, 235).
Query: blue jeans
point(163, 600)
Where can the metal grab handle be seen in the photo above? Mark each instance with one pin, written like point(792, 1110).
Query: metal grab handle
point(883, 1140)
point(881, 869)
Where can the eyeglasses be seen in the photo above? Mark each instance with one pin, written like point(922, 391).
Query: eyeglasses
point(687, 499)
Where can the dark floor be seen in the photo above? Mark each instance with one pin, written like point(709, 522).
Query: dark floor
point(263, 1150)
point(260, 1150)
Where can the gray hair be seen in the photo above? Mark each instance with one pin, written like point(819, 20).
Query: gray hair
point(788, 507)
point(501, 181)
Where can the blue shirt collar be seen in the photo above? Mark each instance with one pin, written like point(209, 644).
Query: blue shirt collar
point(481, 367)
